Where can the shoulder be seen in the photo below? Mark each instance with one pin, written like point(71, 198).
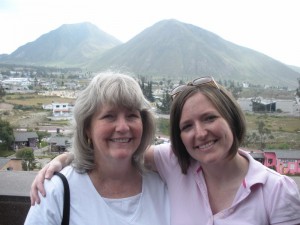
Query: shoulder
point(154, 187)
point(164, 151)
point(277, 192)
point(271, 181)
point(153, 181)
point(166, 161)
point(258, 173)
point(151, 177)
point(73, 177)
point(162, 147)
point(54, 186)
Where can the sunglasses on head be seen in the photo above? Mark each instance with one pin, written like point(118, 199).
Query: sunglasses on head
point(197, 82)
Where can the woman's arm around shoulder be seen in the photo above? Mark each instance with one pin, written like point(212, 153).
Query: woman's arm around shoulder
point(49, 211)
point(56, 165)
point(149, 159)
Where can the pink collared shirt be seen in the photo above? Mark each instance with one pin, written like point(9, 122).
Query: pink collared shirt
point(264, 197)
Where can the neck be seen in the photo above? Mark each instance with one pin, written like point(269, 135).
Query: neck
point(235, 168)
point(116, 182)
point(118, 172)
point(223, 181)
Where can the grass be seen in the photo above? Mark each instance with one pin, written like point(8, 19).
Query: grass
point(163, 126)
point(274, 123)
point(5, 153)
point(34, 99)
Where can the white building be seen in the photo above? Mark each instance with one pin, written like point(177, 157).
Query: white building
point(17, 81)
point(61, 109)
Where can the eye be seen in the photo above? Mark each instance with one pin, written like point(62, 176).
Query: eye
point(210, 118)
point(185, 127)
point(134, 114)
point(107, 116)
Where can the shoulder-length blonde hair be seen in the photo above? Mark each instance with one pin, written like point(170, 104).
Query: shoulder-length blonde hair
point(117, 90)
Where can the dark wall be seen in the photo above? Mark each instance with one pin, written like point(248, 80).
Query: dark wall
point(13, 209)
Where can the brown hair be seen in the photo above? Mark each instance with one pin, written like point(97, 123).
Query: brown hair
point(226, 105)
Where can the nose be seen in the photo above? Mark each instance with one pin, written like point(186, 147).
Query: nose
point(200, 130)
point(122, 124)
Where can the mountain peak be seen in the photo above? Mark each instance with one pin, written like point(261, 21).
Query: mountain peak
point(179, 50)
point(69, 44)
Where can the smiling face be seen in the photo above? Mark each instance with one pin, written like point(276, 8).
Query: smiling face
point(115, 133)
point(204, 132)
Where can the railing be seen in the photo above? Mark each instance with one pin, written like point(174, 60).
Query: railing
point(14, 196)
point(13, 209)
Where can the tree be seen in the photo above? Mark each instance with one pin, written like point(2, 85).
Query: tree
point(259, 138)
point(2, 91)
point(146, 87)
point(264, 133)
point(164, 104)
point(250, 140)
point(6, 134)
point(148, 92)
point(298, 89)
point(42, 134)
point(28, 160)
point(235, 90)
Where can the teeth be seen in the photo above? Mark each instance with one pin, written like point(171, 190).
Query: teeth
point(121, 140)
point(206, 145)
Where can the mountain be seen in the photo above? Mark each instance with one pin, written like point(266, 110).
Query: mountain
point(296, 68)
point(174, 49)
point(169, 49)
point(68, 45)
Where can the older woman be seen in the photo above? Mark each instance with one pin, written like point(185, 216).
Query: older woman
point(108, 185)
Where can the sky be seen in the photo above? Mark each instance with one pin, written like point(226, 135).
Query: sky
point(267, 26)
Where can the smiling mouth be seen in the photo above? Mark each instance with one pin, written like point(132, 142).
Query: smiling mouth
point(121, 140)
point(205, 146)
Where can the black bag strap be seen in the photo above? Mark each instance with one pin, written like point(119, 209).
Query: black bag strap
point(66, 212)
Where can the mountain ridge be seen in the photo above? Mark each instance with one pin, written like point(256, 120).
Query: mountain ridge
point(169, 48)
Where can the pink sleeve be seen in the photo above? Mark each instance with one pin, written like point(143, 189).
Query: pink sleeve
point(283, 202)
point(165, 160)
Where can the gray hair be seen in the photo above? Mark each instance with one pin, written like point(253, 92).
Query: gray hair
point(117, 90)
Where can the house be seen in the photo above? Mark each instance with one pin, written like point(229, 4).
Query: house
point(10, 164)
point(282, 161)
point(259, 156)
point(58, 144)
point(263, 105)
point(25, 139)
point(61, 109)
point(3, 162)
point(285, 161)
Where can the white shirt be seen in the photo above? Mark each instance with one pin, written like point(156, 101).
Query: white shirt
point(88, 207)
